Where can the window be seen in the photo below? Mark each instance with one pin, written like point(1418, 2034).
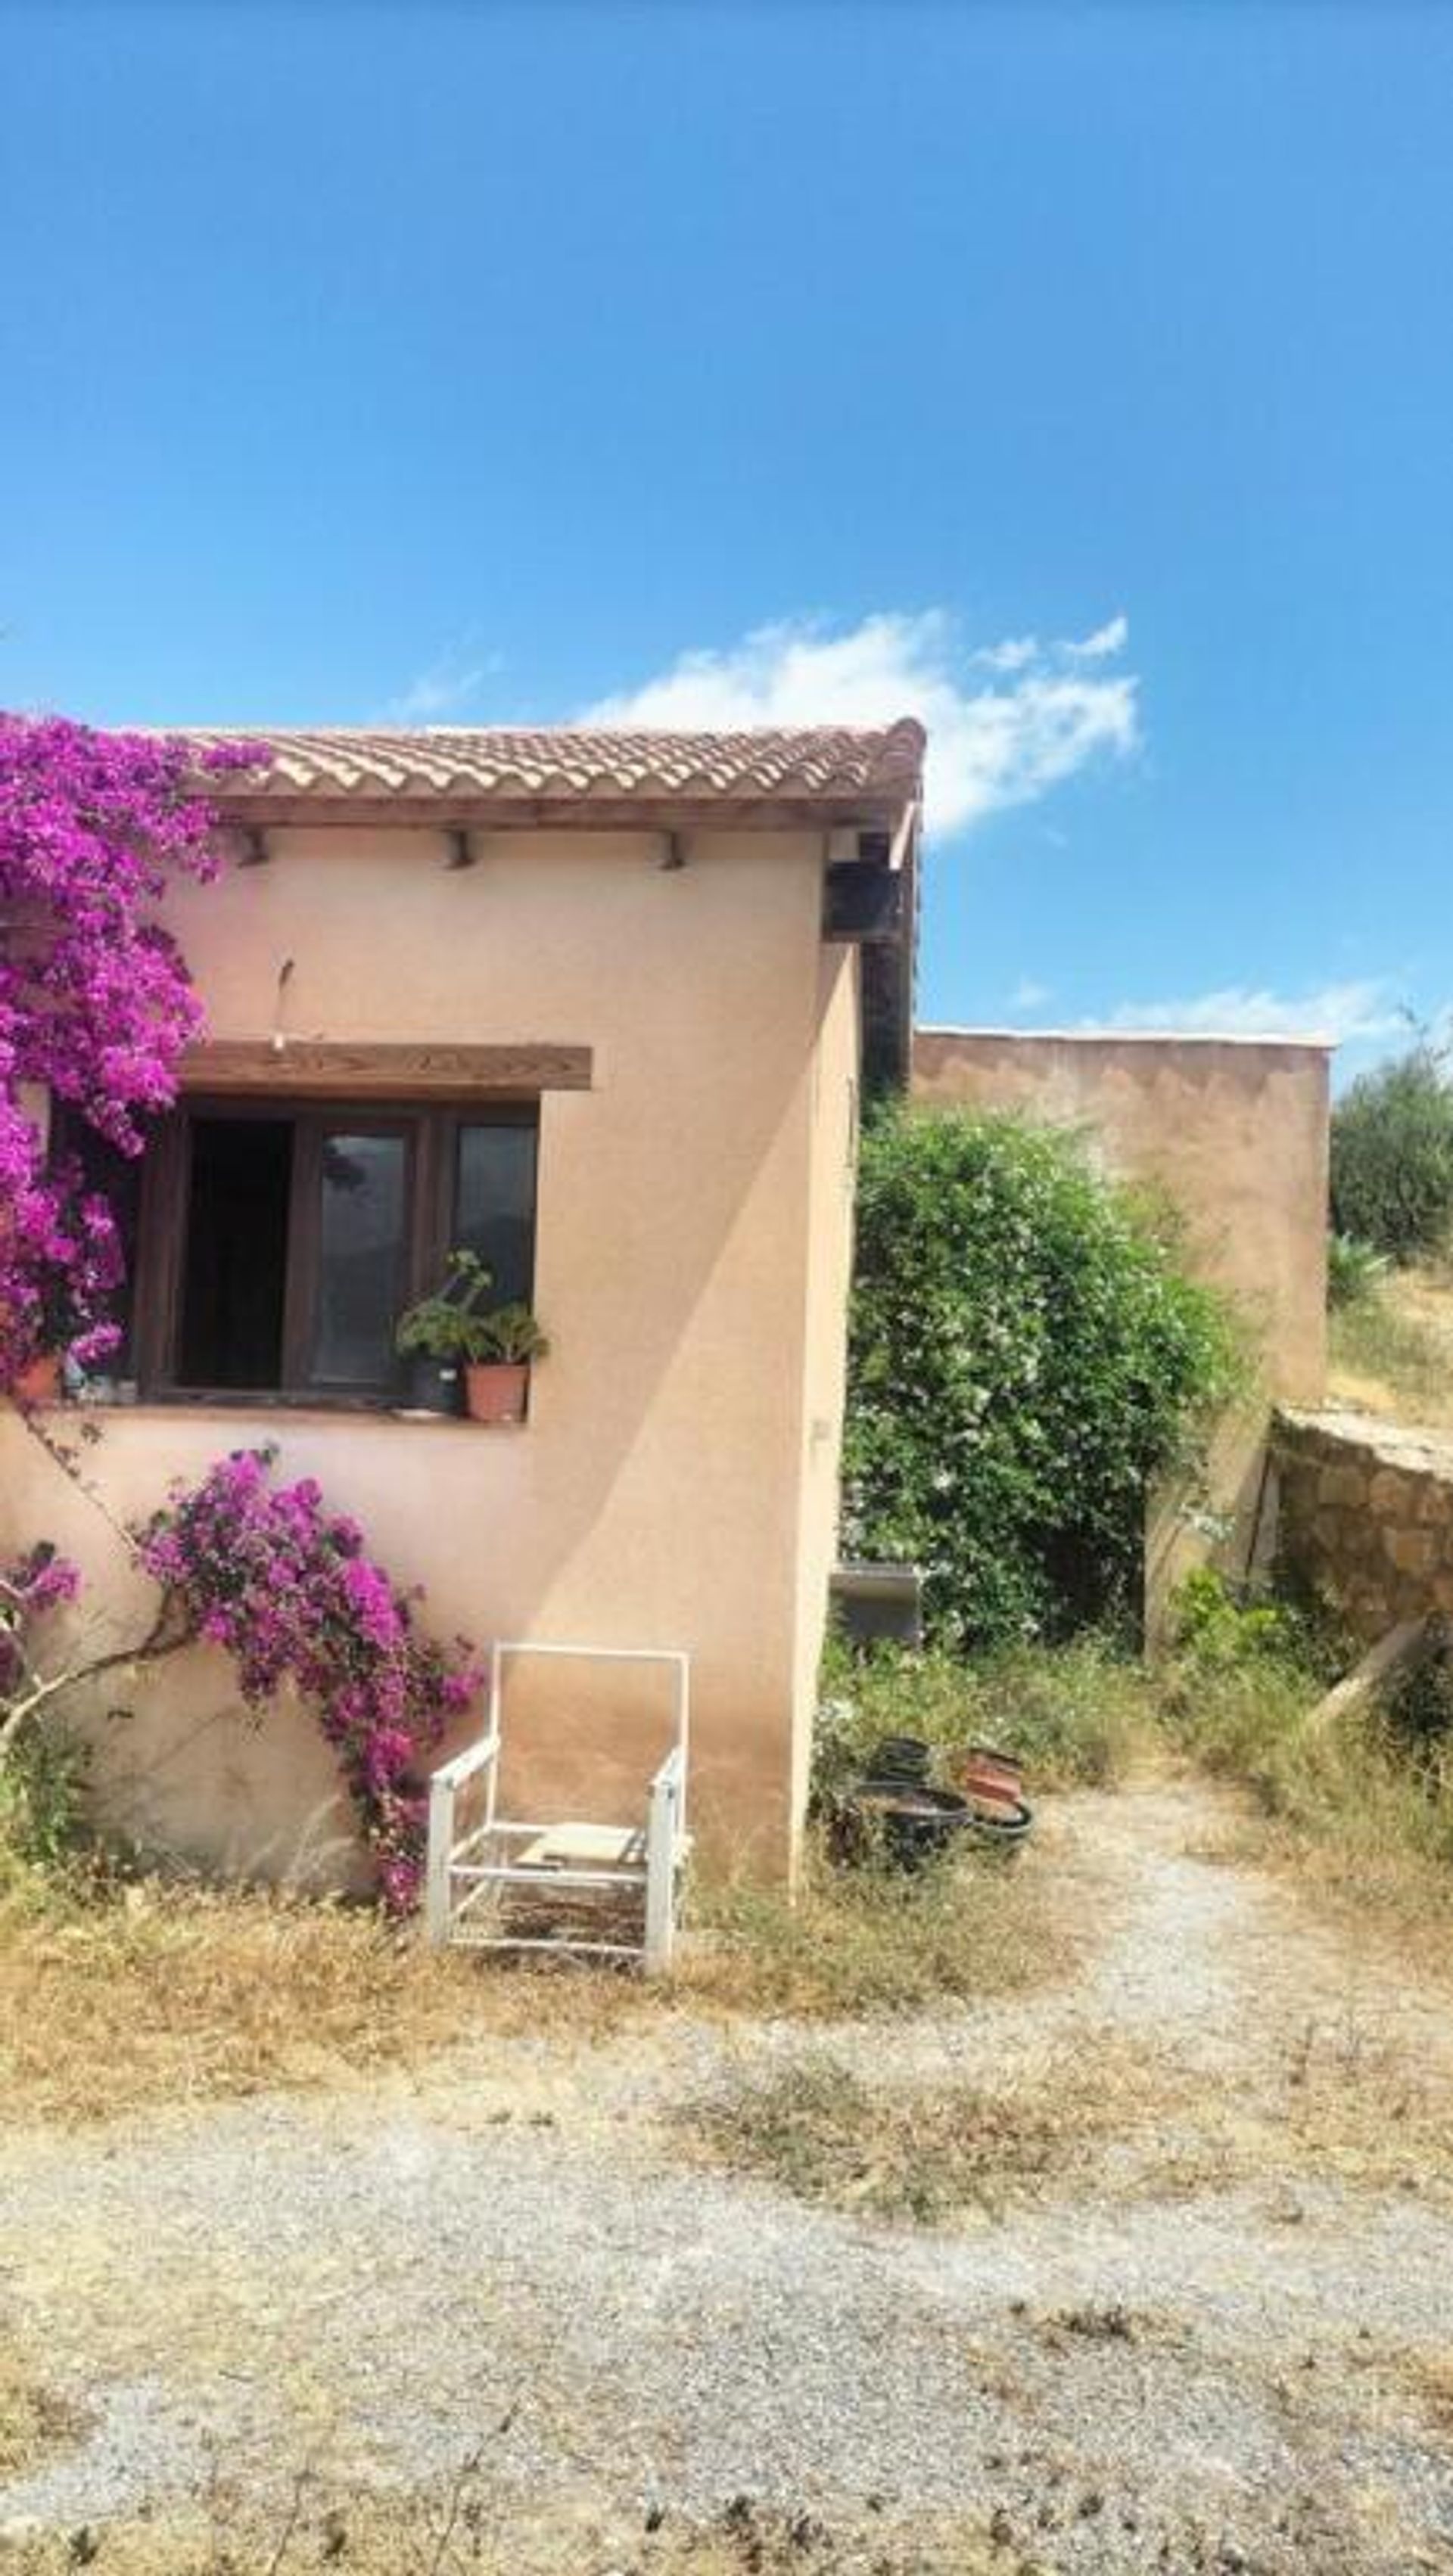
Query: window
point(279, 1240)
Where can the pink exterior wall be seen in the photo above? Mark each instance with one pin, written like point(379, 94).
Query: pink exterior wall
point(676, 1482)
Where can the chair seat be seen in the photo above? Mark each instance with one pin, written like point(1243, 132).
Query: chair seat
point(580, 1846)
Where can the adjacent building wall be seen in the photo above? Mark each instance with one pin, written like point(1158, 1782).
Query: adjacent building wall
point(1234, 1131)
point(676, 1482)
point(1365, 1516)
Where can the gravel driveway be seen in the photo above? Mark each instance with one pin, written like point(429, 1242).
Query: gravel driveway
point(1236, 2373)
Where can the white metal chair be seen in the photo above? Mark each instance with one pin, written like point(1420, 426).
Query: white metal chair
point(618, 1880)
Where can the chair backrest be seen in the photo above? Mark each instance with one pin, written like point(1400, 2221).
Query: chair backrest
point(673, 1661)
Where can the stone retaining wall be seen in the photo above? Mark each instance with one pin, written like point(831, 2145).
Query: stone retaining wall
point(1364, 1512)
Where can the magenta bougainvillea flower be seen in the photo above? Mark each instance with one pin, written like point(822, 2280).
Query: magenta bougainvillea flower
point(96, 1004)
point(284, 1585)
point(38, 1581)
point(96, 1007)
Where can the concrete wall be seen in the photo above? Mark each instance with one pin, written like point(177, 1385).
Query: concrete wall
point(1364, 1514)
point(1234, 1132)
point(676, 1482)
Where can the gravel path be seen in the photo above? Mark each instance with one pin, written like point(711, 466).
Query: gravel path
point(1223, 2377)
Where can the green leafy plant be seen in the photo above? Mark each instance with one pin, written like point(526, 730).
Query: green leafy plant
point(455, 1325)
point(1026, 1358)
point(1217, 1627)
point(1392, 1156)
point(511, 1335)
point(1355, 1271)
point(42, 1798)
point(448, 1325)
point(1074, 1714)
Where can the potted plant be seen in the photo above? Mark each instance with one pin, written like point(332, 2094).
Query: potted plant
point(436, 1336)
point(504, 1342)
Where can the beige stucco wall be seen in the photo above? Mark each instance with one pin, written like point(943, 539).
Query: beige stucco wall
point(830, 1215)
point(1234, 1132)
point(676, 1482)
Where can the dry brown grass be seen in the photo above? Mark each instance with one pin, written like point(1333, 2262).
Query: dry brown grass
point(33, 2418)
point(159, 1993)
point(871, 1941)
point(452, 2529)
point(169, 1994)
point(1392, 1352)
point(1335, 2100)
point(1429, 2375)
point(1348, 2101)
point(928, 2153)
point(1361, 1872)
point(1393, 1897)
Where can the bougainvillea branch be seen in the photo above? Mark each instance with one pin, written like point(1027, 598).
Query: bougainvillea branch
point(41, 1581)
point(96, 1005)
point(285, 1586)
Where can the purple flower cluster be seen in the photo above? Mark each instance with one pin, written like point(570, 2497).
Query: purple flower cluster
point(96, 1004)
point(285, 1586)
point(38, 1581)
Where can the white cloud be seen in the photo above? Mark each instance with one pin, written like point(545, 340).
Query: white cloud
point(1361, 1008)
point(1029, 996)
point(988, 746)
point(1110, 638)
point(1014, 654)
point(446, 688)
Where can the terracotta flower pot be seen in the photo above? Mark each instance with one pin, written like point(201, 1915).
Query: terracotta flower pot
point(987, 1773)
point(40, 1381)
point(496, 1390)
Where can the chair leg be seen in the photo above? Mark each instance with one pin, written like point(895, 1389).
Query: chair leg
point(440, 1850)
point(660, 1883)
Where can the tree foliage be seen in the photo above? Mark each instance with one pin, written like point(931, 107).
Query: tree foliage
point(1392, 1157)
point(1025, 1358)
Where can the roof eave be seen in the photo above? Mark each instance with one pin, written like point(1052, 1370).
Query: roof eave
point(279, 807)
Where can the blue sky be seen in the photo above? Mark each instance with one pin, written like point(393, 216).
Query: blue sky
point(1082, 376)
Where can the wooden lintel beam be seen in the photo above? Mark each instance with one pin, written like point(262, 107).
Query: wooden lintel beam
point(345, 1069)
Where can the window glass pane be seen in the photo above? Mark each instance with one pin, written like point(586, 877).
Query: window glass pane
point(494, 1205)
point(360, 1259)
point(236, 1252)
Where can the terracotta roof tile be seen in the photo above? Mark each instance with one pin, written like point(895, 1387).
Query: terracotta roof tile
point(835, 768)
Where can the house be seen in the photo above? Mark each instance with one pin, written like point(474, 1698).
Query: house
point(602, 1007)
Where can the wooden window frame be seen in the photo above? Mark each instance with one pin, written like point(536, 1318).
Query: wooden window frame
point(431, 1131)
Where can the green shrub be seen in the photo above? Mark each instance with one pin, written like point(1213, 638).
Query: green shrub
point(1076, 1715)
point(1025, 1358)
point(42, 1792)
point(1242, 1692)
point(1392, 1157)
point(1219, 1628)
point(1355, 1271)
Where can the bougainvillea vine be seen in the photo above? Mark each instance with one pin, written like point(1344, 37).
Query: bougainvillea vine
point(96, 1005)
point(285, 1586)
